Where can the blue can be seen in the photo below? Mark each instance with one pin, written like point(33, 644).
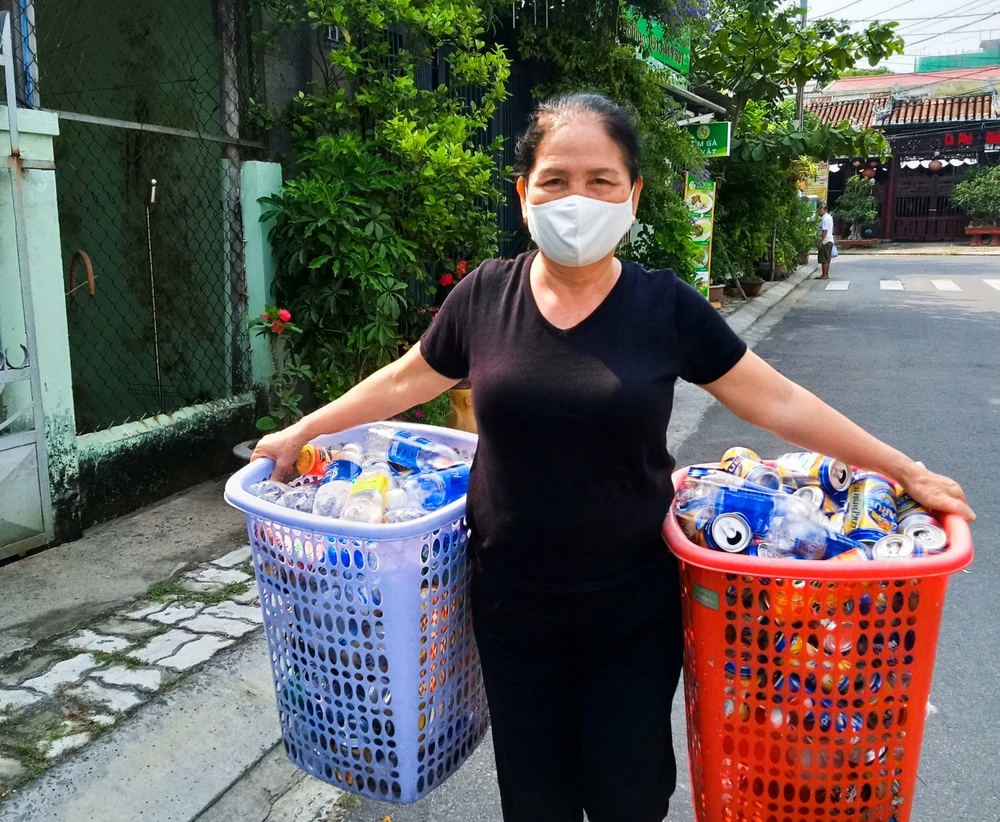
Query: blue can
point(756, 507)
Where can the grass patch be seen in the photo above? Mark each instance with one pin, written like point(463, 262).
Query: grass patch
point(170, 591)
point(123, 657)
point(246, 567)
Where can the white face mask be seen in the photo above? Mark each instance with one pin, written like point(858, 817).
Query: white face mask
point(576, 230)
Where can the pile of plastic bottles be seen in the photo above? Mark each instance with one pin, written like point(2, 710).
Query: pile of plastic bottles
point(396, 477)
point(803, 506)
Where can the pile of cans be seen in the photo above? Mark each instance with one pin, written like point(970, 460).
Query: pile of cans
point(803, 505)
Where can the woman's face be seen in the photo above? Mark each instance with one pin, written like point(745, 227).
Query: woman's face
point(576, 156)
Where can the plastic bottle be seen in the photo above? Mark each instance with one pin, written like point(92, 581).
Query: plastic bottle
point(269, 490)
point(300, 498)
point(404, 514)
point(345, 465)
point(366, 502)
point(408, 450)
point(433, 489)
point(330, 498)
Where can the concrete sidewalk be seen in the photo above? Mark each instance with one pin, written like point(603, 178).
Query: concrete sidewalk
point(925, 250)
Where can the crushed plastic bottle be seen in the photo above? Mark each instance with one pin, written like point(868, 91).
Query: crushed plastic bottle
point(330, 498)
point(269, 490)
point(408, 450)
point(300, 498)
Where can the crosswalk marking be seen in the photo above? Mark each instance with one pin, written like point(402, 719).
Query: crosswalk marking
point(946, 285)
point(890, 285)
point(993, 284)
point(838, 285)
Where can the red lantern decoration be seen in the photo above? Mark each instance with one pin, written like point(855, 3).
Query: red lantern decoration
point(935, 166)
point(873, 164)
point(869, 173)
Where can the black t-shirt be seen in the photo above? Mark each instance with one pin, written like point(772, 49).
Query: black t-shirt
point(571, 479)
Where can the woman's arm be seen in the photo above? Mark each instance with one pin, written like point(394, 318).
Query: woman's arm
point(400, 385)
point(757, 393)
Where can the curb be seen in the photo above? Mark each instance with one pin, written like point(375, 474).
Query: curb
point(743, 318)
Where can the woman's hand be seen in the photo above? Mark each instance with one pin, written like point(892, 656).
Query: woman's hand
point(937, 492)
point(283, 447)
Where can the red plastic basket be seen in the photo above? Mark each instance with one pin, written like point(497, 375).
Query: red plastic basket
point(807, 682)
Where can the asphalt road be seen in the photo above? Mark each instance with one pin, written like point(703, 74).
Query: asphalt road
point(918, 365)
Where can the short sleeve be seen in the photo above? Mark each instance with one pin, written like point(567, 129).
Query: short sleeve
point(445, 344)
point(709, 348)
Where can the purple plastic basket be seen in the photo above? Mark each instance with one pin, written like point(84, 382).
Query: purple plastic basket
point(374, 661)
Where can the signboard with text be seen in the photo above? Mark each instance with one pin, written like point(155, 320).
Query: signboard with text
point(712, 138)
point(672, 52)
point(699, 197)
point(818, 185)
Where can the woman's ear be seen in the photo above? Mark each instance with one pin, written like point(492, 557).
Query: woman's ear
point(635, 197)
point(522, 192)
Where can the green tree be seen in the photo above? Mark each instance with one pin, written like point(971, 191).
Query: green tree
point(584, 47)
point(758, 50)
point(392, 176)
point(857, 205)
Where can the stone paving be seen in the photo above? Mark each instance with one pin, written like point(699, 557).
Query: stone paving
point(58, 696)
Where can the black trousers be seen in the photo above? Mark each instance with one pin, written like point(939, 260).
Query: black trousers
point(580, 686)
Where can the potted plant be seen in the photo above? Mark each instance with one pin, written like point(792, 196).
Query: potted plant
point(282, 397)
point(858, 208)
point(751, 284)
point(979, 196)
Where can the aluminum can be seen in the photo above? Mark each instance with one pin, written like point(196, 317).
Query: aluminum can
point(747, 464)
point(871, 508)
point(729, 532)
point(895, 546)
point(761, 548)
point(815, 496)
point(907, 506)
point(926, 532)
point(806, 468)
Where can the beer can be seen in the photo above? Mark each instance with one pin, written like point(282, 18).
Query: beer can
point(744, 463)
point(761, 548)
point(926, 531)
point(729, 532)
point(907, 506)
point(894, 546)
point(314, 459)
point(806, 468)
point(871, 508)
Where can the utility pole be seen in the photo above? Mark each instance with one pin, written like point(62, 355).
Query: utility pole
point(800, 97)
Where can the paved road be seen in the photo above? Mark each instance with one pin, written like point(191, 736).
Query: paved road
point(916, 362)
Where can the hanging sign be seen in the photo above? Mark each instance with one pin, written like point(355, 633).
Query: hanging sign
point(699, 197)
point(712, 138)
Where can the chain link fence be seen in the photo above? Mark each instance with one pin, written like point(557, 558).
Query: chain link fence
point(147, 91)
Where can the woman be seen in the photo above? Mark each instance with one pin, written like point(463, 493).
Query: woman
point(573, 354)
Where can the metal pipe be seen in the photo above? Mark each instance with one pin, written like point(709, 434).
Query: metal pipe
point(152, 296)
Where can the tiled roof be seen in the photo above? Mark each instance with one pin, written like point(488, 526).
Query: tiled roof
point(859, 112)
point(876, 111)
point(925, 78)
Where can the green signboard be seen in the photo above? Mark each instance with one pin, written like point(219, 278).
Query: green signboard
point(713, 138)
point(651, 37)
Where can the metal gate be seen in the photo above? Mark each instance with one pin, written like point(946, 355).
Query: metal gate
point(25, 502)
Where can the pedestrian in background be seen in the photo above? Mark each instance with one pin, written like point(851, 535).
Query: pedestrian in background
point(825, 243)
point(573, 355)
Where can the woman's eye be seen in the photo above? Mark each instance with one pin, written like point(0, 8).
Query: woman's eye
point(601, 182)
point(552, 182)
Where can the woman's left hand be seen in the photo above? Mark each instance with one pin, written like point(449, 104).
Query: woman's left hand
point(938, 493)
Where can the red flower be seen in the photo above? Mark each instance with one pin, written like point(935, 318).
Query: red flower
point(461, 268)
point(278, 327)
point(266, 318)
point(447, 279)
point(284, 315)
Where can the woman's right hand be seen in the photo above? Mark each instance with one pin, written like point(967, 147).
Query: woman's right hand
point(283, 447)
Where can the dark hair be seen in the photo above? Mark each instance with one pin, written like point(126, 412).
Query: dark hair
point(616, 121)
